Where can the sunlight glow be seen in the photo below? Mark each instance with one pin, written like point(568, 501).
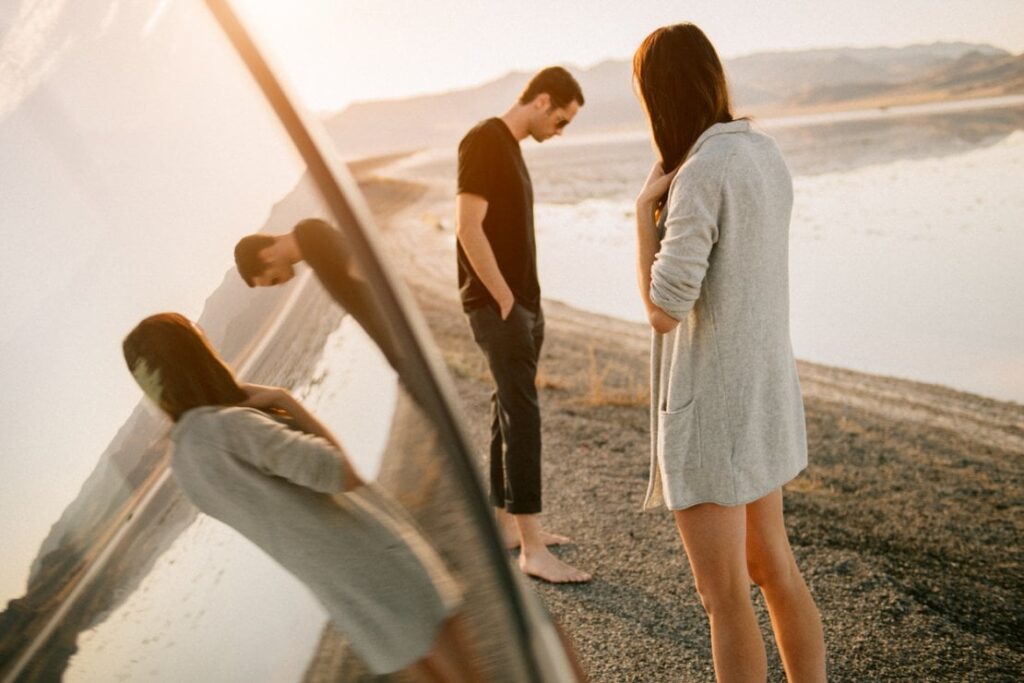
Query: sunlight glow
point(28, 52)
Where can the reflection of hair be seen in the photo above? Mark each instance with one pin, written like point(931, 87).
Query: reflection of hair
point(171, 358)
point(683, 87)
point(247, 256)
point(318, 222)
point(557, 83)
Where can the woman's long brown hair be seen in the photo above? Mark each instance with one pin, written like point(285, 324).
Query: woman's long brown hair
point(683, 86)
point(180, 360)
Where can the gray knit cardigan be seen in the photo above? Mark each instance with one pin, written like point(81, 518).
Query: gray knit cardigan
point(727, 417)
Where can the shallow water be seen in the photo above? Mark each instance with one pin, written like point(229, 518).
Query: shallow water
point(909, 268)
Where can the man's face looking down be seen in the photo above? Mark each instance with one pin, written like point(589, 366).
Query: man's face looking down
point(276, 270)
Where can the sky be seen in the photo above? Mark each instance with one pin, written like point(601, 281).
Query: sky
point(338, 52)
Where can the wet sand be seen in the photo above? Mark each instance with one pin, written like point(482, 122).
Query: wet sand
point(907, 524)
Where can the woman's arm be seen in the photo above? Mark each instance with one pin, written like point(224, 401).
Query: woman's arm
point(692, 216)
point(263, 397)
point(647, 245)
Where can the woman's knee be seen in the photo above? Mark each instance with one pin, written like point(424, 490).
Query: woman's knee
point(723, 594)
point(772, 570)
point(770, 561)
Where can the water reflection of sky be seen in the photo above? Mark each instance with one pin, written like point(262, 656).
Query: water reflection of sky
point(905, 246)
point(181, 623)
point(912, 268)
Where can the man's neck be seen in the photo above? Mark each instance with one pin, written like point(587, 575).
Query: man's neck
point(517, 118)
point(288, 247)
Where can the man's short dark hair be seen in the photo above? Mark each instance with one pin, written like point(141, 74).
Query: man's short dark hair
point(557, 83)
point(247, 256)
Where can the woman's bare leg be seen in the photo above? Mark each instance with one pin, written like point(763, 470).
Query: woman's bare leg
point(715, 541)
point(795, 618)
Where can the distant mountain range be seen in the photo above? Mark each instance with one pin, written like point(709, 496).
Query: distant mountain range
point(764, 84)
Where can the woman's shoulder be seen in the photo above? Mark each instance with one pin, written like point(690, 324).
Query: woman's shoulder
point(215, 424)
point(716, 152)
point(722, 139)
point(704, 168)
point(714, 148)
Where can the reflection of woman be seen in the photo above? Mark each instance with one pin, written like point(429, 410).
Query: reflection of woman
point(295, 495)
point(727, 418)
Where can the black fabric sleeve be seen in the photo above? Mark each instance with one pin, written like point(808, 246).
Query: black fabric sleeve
point(324, 249)
point(476, 164)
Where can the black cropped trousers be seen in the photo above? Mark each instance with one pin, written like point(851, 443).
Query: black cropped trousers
point(512, 347)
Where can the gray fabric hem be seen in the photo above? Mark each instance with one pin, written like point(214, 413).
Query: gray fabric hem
point(743, 501)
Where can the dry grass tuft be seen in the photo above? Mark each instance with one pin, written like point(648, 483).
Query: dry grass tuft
point(603, 384)
point(545, 380)
point(613, 384)
point(467, 366)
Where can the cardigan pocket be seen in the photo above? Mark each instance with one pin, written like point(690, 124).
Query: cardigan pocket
point(679, 438)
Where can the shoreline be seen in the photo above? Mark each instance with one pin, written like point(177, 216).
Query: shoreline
point(771, 118)
point(906, 524)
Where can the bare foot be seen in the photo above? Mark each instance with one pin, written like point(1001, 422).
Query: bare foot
point(541, 564)
point(510, 533)
point(512, 539)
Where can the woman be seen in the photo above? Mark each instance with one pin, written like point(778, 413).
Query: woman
point(255, 458)
point(727, 415)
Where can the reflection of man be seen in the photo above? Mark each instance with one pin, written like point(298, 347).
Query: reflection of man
point(269, 260)
point(501, 296)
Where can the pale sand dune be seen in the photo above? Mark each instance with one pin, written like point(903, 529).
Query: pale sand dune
point(907, 524)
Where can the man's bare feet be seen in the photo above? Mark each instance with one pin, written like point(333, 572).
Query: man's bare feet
point(535, 559)
point(510, 532)
point(512, 540)
point(541, 564)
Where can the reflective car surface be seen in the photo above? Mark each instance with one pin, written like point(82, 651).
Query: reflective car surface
point(140, 142)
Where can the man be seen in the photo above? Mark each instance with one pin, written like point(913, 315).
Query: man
point(497, 269)
point(269, 260)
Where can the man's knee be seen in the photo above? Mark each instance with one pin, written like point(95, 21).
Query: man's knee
point(516, 388)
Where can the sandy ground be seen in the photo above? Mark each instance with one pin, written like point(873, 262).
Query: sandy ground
point(907, 523)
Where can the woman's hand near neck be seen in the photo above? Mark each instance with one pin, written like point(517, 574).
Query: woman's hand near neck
point(263, 397)
point(654, 188)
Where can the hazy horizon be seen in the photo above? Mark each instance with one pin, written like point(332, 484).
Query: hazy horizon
point(587, 67)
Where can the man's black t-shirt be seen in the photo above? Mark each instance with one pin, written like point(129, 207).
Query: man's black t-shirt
point(324, 249)
point(491, 166)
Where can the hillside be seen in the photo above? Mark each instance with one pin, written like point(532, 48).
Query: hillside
point(769, 83)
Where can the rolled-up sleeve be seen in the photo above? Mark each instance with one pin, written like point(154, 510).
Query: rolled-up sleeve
point(691, 231)
point(302, 459)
